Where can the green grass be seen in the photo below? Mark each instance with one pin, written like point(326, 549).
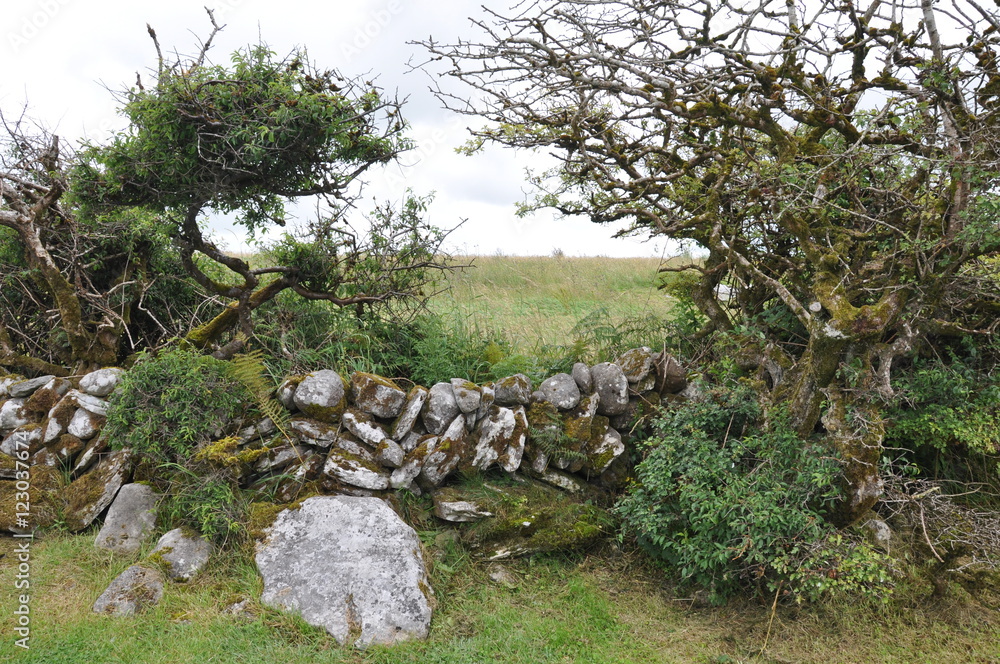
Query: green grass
point(609, 607)
point(537, 301)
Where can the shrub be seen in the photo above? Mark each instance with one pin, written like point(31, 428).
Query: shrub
point(733, 502)
point(170, 403)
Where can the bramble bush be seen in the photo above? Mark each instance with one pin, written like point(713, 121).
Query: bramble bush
point(732, 499)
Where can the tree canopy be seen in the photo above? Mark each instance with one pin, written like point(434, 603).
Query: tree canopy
point(245, 139)
point(839, 163)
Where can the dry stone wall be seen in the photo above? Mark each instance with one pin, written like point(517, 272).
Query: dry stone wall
point(361, 435)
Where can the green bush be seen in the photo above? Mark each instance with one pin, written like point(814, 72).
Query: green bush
point(170, 403)
point(732, 502)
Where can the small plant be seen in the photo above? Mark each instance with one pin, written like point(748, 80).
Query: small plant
point(735, 503)
point(170, 403)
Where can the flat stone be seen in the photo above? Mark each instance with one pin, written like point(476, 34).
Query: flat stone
point(389, 453)
point(89, 495)
point(130, 520)
point(314, 432)
point(350, 566)
point(85, 424)
point(403, 425)
point(413, 463)
point(363, 426)
point(102, 382)
point(447, 454)
point(355, 471)
point(510, 459)
point(26, 388)
point(183, 555)
point(13, 414)
point(449, 506)
point(134, 590)
point(24, 439)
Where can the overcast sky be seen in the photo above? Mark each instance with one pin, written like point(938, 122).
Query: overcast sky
point(63, 56)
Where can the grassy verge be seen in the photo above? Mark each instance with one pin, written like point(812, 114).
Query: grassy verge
point(608, 607)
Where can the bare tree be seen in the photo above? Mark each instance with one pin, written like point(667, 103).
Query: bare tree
point(838, 162)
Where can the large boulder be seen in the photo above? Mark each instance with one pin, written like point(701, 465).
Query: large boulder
point(134, 590)
point(349, 565)
point(321, 395)
point(131, 518)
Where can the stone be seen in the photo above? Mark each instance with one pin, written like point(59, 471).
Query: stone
point(90, 494)
point(389, 453)
point(510, 459)
point(355, 470)
point(13, 414)
point(89, 455)
point(411, 441)
point(376, 395)
point(130, 520)
point(403, 476)
point(363, 426)
point(878, 532)
point(561, 480)
point(102, 382)
point(183, 555)
point(85, 424)
point(6, 382)
point(260, 431)
point(468, 395)
point(450, 505)
point(485, 402)
point(611, 386)
point(134, 590)
point(286, 392)
point(279, 457)
point(581, 374)
point(27, 438)
point(64, 448)
point(314, 432)
point(447, 454)
point(561, 391)
point(403, 425)
point(636, 364)
point(348, 565)
point(670, 375)
point(88, 402)
point(321, 395)
point(513, 390)
point(441, 408)
point(26, 388)
point(603, 449)
point(495, 433)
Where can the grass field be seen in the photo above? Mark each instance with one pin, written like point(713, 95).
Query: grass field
point(538, 301)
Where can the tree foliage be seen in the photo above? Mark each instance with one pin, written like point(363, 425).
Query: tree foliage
point(839, 164)
point(92, 231)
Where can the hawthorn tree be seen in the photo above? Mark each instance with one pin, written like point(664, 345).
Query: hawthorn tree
point(838, 162)
point(243, 139)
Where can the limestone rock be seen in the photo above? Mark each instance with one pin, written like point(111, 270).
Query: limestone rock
point(102, 382)
point(89, 455)
point(363, 426)
point(134, 590)
point(91, 493)
point(403, 476)
point(561, 390)
point(447, 454)
point(376, 395)
point(510, 459)
point(355, 470)
point(6, 382)
point(182, 554)
point(26, 388)
point(485, 402)
point(130, 520)
point(321, 395)
point(581, 374)
point(88, 402)
point(286, 392)
point(27, 438)
point(403, 425)
point(441, 408)
point(612, 388)
point(495, 433)
point(670, 375)
point(314, 432)
point(603, 449)
point(350, 566)
point(450, 505)
point(636, 364)
point(64, 448)
point(389, 453)
point(13, 414)
point(468, 395)
point(513, 390)
point(85, 424)
point(279, 457)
